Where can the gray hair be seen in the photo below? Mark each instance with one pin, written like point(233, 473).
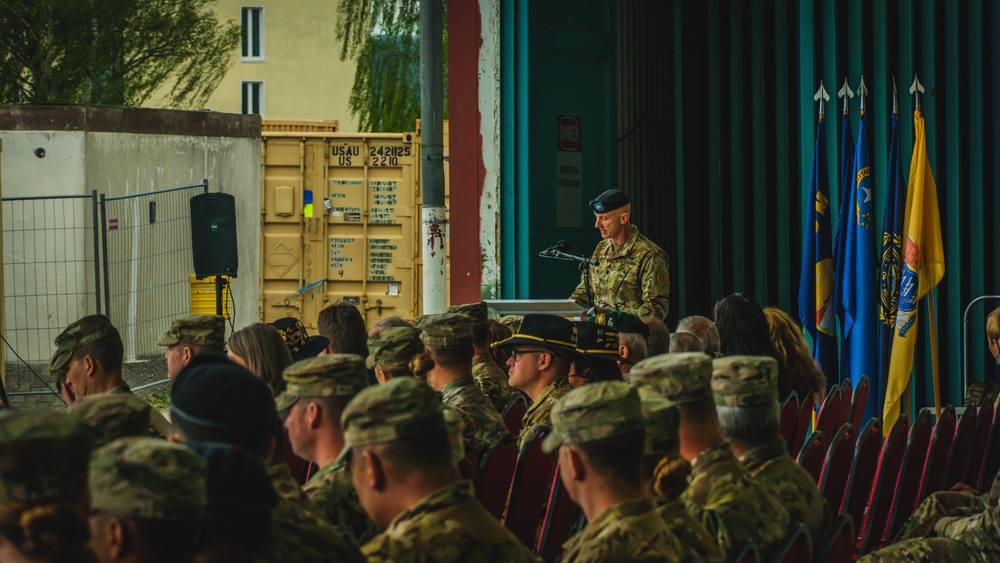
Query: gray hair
point(705, 330)
point(685, 342)
point(636, 344)
point(754, 424)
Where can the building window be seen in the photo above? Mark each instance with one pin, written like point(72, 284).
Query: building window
point(253, 33)
point(253, 97)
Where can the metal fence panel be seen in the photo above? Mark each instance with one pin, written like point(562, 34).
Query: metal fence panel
point(147, 245)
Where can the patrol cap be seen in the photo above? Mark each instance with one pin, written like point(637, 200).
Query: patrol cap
point(393, 348)
point(202, 330)
point(513, 322)
point(299, 343)
point(478, 312)
point(545, 330)
point(44, 457)
point(741, 381)
point(446, 329)
point(77, 335)
point(682, 378)
point(621, 321)
point(597, 341)
point(662, 420)
point(114, 415)
point(604, 409)
point(331, 375)
point(609, 201)
point(394, 411)
point(148, 478)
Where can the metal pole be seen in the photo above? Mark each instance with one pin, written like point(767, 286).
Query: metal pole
point(104, 255)
point(433, 219)
point(96, 228)
point(965, 334)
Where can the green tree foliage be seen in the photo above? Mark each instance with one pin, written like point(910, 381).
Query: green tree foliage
point(383, 38)
point(114, 52)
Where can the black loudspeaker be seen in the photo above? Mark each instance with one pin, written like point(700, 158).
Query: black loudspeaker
point(213, 234)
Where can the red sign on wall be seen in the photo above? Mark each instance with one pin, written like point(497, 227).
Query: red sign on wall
point(112, 224)
point(568, 132)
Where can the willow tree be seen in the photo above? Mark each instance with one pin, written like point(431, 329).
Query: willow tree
point(114, 52)
point(383, 38)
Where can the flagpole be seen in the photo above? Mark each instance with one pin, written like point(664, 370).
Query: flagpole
point(934, 360)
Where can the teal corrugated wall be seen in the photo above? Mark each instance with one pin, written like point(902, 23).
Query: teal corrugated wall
point(716, 121)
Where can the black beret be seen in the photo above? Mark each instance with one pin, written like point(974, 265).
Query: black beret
point(218, 396)
point(236, 479)
point(609, 201)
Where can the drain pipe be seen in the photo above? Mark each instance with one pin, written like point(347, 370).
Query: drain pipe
point(432, 213)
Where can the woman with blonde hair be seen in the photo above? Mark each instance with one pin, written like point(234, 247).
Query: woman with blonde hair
point(804, 376)
point(261, 349)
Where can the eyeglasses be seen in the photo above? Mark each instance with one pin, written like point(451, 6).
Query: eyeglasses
point(515, 353)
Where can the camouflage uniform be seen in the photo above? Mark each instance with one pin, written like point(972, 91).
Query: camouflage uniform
point(480, 419)
point(301, 533)
point(721, 493)
point(200, 330)
point(540, 410)
point(629, 530)
point(693, 537)
point(633, 277)
point(492, 380)
point(931, 549)
point(114, 415)
point(449, 524)
point(943, 504)
point(331, 489)
point(393, 348)
point(741, 382)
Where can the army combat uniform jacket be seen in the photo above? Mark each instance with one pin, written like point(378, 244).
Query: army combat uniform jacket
point(630, 531)
point(492, 380)
point(694, 538)
point(790, 484)
point(332, 490)
point(481, 421)
point(448, 525)
point(732, 506)
point(633, 277)
point(540, 411)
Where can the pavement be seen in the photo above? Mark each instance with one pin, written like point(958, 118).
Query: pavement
point(35, 379)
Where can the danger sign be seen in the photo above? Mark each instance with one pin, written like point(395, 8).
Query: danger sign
point(112, 224)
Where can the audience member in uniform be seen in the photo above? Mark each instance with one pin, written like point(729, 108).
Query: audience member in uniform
point(658, 341)
point(685, 342)
point(300, 345)
point(261, 349)
point(190, 336)
point(113, 415)
point(804, 375)
point(398, 352)
point(43, 487)
point(704, 329)
point(344, 327)
point(491, 379)
point(600, 350)
point(394, 321)
point(498, 332)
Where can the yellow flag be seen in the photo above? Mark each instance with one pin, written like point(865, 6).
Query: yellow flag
point(923, 268)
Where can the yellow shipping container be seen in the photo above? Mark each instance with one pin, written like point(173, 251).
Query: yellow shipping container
point(203, 296)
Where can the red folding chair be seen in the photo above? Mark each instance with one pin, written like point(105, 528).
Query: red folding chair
point(744, 552)
point(837, 467)
point(846, 396)
point(803, 426)
point(812, 454)
point(961, 448)
point(496, 471)
point(859, 400)
point(789, 416)
point(984, 421)
point(530, 487)
point(796, 546)
point(829, 412)
point(859, 482)
point(904, 499)
point(879, 500)
point(991, 459)
point(932, 479)
point(561, 518)
point(837, 545)
point(513, 412)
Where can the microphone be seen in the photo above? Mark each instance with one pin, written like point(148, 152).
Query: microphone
point(553, 251)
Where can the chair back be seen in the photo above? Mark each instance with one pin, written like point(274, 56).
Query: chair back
point(496, 471)
point(904, 499)
point(879, 500)
point(561, 518)
point(812, 454)
point(938, 451)
point(846, 396)
point(829, 412)
point(837, 467)
point(529, 488)
point(513, 413)
point(859, 482)
point(796, 546)
point(789, 416)
point(744, 552)
point(984, 420)
point(838, 543)
point(961, 448)
point(803, 426)
point(859, 400)
point(991, 459)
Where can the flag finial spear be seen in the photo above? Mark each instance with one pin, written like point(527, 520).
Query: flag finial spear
point(821, 96)
point(916, 89)
point(845, 92)
point(895, 99)
point(862, 92)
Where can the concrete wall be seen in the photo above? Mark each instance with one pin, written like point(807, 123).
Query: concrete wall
point(116, 151)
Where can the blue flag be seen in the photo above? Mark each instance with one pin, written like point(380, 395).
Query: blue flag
point(859, 275)
point(816, 279)
point(891, 255)
point(845, 186)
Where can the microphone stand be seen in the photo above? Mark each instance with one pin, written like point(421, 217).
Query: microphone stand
point(585, 269)
point(584, 263)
